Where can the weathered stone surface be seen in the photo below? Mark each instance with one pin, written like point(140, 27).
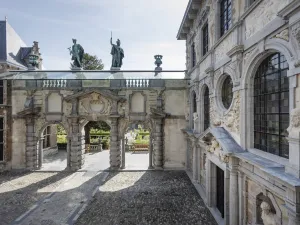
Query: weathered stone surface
point(147, 198)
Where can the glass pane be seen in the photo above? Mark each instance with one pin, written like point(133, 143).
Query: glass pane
point(227, 93)
point(271, 105)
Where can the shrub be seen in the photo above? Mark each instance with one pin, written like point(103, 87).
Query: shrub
point(61, 139)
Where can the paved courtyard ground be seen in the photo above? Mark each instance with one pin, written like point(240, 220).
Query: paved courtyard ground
point(93, 196)
point(97, 161)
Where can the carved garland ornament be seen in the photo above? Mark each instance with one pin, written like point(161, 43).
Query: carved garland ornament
point(95, 104)
point(216, 149)
point(283, 35)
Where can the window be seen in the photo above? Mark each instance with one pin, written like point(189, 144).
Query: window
point(47, 134)
point(206, 108)
point(193, 55)
point(251, 2)
point(1, 92)
point(227, 93)
point(1, 139)
point(205, 39)
point(194, 102)
point(225, 16)
point(271, 106)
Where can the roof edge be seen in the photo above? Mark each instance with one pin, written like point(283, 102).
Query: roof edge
point(184, 18)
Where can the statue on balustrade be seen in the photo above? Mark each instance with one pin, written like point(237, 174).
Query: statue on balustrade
point(117, 55)
point(77, 52)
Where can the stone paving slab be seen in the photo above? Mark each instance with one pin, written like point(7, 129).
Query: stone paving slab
point(19, 191)
point(62, 206)
point(149, 197)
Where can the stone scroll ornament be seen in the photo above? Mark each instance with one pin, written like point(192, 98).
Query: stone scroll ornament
point(77, 52)
point(117, 54)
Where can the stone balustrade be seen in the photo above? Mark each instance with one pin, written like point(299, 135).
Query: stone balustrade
point(142, 83)
point(60, 83)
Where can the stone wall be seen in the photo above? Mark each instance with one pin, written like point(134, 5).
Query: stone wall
point(174, 144)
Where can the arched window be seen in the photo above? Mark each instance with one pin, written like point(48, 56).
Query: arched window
point(206, 108)
point(271, 106)
point(194, 102)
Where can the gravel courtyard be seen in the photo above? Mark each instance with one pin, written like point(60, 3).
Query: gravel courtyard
point(150, 197)
point(93, 196)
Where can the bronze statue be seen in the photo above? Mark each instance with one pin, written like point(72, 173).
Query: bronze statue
point(77, 54)
point(117, 54)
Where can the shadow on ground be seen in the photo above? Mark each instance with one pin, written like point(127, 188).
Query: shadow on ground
point(149, 197)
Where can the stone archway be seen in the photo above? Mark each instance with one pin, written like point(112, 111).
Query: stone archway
point(41, 140)
point(124, 124)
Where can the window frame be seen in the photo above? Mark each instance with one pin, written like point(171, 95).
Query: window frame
point(223, 92)
point(47, 137)
point(193, 55)
point(225, 16)
point(205, 39)
point(261, 106)
point(206, 108)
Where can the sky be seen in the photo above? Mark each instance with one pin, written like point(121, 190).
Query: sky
point(145, 28)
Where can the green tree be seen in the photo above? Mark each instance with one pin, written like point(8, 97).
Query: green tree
point(91, 62)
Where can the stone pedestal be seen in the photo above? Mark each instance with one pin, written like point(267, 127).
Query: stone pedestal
point(115, 154)
point(31, 148)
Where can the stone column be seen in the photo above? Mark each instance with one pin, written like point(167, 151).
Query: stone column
point(194, 171)
point(31, 148)
point(150, 152)
point(115, 154)
point(41, 152)
point(208, 184)
point(227, 195)
point(77, 146)
point(158, 144)
point(233, 194)
point(123, 152)
point(241, 197)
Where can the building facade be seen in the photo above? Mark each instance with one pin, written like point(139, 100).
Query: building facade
point(14, 55)
point(243, 135)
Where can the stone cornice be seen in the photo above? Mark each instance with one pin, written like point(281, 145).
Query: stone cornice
point(289, 10)
point(188, 18)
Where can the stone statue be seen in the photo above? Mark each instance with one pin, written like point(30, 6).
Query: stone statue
point(294, 128)
point(267, 215)
point(77, 54)
point(117, 54)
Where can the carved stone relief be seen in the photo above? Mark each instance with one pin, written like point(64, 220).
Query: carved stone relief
point(225, 46)
point(268, 217)
point(232, 119)
point(214, 117)
point(217, 150)
point(296, 32)
point(263, 14)
point(95, 104)
point(284, 35)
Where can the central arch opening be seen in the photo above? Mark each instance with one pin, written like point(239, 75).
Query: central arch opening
point(97, 145)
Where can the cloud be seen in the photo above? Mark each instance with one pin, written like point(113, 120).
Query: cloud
point(16, 13)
